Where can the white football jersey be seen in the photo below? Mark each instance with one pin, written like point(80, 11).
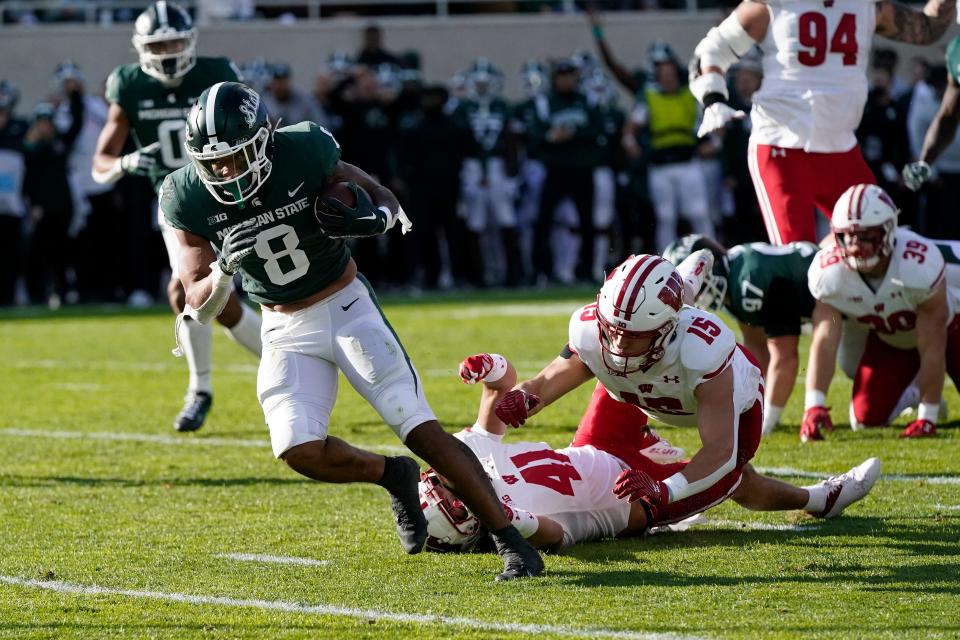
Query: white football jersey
point(701, 348)
point(814, 74)
point(916, 266)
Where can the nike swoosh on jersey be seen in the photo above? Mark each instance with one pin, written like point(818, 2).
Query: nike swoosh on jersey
point(290, 194)
point(349, 305)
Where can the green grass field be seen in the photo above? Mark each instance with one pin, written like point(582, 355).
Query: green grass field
point(114, 526)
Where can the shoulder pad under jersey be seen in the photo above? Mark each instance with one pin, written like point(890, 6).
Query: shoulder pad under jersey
point(920, 263)
point(582, 333)
point(826, 272)
point(707, 343)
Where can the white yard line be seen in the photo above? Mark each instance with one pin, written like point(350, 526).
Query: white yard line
point(756, 526)
point(257, 557)
point(345, 612)
point(947, 507)
point(790, 472)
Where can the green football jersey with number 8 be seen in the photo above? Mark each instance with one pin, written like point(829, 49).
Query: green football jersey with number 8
point(157, 112)
point(292, 258)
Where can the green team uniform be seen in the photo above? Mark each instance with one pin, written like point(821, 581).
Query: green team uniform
point(488, 122)
point(294, 259)
point(767, 286)
point(575, 113)
point(527, 123)
point(157, 112)
point(611, 121)
point(953, 59)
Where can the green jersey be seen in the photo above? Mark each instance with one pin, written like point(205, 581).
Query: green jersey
point(292, 258)
point(488, 122)
point(157, 112)
point(953, 59)
point(767, 286)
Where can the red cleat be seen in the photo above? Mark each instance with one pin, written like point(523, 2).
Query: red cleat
point(919, 429)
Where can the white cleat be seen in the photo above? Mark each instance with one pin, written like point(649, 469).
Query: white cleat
point(846, 488)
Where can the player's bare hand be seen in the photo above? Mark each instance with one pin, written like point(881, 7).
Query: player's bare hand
point(515, 406)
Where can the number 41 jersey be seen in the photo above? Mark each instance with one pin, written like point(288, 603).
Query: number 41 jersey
point(158, 113)
point(814, 74)
point(700, 348)
point(890, 307)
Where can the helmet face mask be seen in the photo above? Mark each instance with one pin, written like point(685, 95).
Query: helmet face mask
point(229, 139)
point(449, 525)
point(637, 312)
point(864, 223)
point(165, 41)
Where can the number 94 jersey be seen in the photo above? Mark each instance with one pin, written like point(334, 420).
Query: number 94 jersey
point(890, 308)
point(700, 348)
point(157, 113)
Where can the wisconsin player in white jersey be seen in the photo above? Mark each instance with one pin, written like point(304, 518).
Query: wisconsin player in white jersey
point(681, 366)
point(560, 497)
point(890, 283)
point(803, 153)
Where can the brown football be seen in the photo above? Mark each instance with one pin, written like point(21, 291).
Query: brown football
point(341, 192)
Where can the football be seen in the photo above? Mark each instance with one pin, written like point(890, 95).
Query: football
point(340, 191)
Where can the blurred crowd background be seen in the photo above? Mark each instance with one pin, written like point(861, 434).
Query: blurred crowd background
point(593, 162)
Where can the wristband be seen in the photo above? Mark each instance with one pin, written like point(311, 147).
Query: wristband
point(677, 486)
point(525, 522)
point(499, 368)
point(597, 32)
point(928, 411)
point(713, 98)
point(814, 398)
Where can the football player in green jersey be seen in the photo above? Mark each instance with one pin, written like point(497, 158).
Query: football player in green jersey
point(943, 129)
point(765, 288)
point(148, 102)
point(257, 195)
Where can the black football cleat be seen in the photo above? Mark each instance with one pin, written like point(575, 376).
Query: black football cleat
point(196, 405)
point(520, 559)
point(405, 504)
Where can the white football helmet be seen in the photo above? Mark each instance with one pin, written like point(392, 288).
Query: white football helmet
point(450, 527)
point(867, 212)
point(640, 300)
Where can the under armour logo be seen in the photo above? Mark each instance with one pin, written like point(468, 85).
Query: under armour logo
point(646, 388)
point(511, 480)
point(673, 379)
point(775, 152)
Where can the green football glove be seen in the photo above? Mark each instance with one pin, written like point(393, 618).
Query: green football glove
point(337, 220)
point(237, 245)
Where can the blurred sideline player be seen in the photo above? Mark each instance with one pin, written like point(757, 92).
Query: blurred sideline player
point(561, 497)
point(148, 101)
point(803, 153)
point(320, 316)
point(681, 366)
point(765, 288)
point(890, 283)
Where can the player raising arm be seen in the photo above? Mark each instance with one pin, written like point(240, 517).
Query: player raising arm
point(260, 195)
point(890, 283)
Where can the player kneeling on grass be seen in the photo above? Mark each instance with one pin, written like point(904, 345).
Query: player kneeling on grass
point(585, 492)
point(901, 319)
point(257, 194)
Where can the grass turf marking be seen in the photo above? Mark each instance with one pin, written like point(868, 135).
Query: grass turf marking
point(346, 612)
point(790, 472)
point(258, 557)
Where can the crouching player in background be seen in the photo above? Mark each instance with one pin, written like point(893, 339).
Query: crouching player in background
point(902, 333)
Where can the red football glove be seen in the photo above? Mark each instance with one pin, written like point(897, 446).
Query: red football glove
point(815, 419)
point(476, 368)
point(919, 429)
point(515, 406)
point(634, 484)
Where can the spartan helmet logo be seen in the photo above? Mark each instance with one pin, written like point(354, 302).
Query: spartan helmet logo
point(249, 106)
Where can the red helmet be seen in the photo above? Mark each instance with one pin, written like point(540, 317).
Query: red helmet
point(640, 300)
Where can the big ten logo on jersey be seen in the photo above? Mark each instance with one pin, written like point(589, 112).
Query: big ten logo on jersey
point(820, 34)
point(546, 468)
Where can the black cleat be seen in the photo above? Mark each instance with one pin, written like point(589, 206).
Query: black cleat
point(520, 560)
point(400, 479)
point(196, 405)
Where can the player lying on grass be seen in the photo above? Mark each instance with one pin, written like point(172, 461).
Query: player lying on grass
point(902, 323)
point(561, 497)
point(257, 193)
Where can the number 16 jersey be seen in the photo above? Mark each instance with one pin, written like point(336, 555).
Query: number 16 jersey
point(814, 74)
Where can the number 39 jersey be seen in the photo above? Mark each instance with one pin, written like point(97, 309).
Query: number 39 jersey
point(700, 348)
point(544, 481)
point(292, 258)
point(814, 74)
point(916, 266)
point(157, 112)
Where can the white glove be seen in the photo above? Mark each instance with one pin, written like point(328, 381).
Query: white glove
point(141, 161)
point(915, 174)
point(694, 270)
point(716, 116)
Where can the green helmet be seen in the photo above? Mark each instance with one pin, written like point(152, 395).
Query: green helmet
point(166, 41)
point(714, 291)
point(229, 138)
